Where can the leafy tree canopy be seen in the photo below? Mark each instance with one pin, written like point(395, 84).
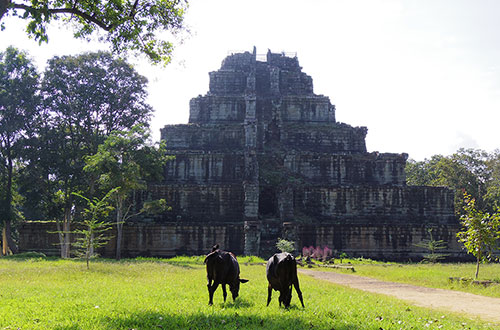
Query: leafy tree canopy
point(18, 101)
point(127, 160)
point(129, 25)
point(472, 170)
point(96, 94)
point(480, 232)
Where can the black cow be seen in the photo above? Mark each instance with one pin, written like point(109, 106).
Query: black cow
point(281, 271)
point(222, 268)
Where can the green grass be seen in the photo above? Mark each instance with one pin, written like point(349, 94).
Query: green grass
point(431, 275)
point(171, 294)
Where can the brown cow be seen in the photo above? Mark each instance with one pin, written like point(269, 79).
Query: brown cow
point(281, 271)
point(222, 268)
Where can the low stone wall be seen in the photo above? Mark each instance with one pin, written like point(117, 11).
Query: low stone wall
point(389, 242)
point(143, 239)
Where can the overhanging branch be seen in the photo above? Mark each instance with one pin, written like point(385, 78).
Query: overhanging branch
point(72, 11)
point(4, 6)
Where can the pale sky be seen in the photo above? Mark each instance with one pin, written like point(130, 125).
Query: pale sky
point(422, 75)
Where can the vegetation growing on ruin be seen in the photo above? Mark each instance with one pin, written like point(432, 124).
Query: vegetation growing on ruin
point(273, 172)
point(155, 294)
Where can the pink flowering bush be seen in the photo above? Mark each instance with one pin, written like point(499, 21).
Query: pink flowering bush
point(318, 253)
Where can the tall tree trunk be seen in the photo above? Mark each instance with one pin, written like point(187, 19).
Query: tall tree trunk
point(91, 246)
point(66, 232)
point(119, 227)
point(8, 244)
point(60, 234)
point(477, 264)
point(5, 245)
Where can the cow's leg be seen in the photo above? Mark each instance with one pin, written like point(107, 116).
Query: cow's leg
point(211, 291)
point(299, 293)
point(224, 293)
point(209, 287)
point(288, 298)
point(269, 293)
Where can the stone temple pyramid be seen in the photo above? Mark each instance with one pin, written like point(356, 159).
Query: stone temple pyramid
point(263, 153)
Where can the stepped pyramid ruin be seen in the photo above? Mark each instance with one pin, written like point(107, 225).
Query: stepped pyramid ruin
point(263, 151)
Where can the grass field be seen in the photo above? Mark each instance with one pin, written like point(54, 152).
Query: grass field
point(172, 294)
point(431, 275)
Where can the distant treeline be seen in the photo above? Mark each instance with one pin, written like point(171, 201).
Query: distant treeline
point(473, 171)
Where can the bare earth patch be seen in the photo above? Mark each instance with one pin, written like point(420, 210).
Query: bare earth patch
point(486, 308)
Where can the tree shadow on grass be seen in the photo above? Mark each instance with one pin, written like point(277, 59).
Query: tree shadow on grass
point(231, 320)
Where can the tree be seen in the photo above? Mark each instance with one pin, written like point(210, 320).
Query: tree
point(433, 246)
point(480, 231)
point(95, 93)
point(285, 246)
point(94, 232)
point(126, 160)
point(85, 98)
point(492, 196)
point(18, 103)
point(129, 25)
point(424, 173)
point(465, 170)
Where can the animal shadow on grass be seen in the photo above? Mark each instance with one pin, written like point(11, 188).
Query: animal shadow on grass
point(237, 304)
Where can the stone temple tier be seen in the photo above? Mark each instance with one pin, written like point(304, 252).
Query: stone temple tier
point(263, 157)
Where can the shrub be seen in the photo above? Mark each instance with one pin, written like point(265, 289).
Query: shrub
point(285, 246)
point(318, 253)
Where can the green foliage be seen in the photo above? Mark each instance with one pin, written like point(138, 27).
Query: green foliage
point(155, 207)
point(85, 98)
point(342, 256)
point(133, 294)
point(139, 26)
point(285, 246)
point(18, 101)
point(433, 246)
point(480, 231)
point(273, 173)
point(127, 160)
point(471, 170)
point(95, 227)
point(423, 173)
point(95, 94)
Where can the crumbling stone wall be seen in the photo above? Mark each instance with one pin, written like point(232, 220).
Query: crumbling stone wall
point(146, 239)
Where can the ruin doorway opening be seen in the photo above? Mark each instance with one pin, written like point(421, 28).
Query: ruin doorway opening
point(268, 201)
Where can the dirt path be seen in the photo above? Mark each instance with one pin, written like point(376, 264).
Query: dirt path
point(486, 308)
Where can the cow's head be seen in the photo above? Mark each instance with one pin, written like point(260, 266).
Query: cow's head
point(235, 287)
point(287, 297)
